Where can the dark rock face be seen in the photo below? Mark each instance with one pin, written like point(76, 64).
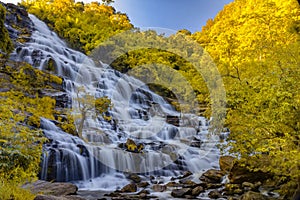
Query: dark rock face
point(239, 174)
point(18, 24)
point(212, 176)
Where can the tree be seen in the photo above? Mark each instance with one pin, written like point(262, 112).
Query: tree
point(258, 56)
point(89, 106)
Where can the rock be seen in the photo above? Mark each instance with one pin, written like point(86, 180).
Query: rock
point(240, 174)
point(173, 184)
point(213, 185)
point(159, 188)
point(174, 120)
point(129, 188)
point(188, 183)
point(252, 196)
point(226, 163)
point(250, 186)
point(185, 174)
point(181, 192)
point(143, 184)
point(50, 197)
point(215, 194)
point(230, 189)
point(197, 190)
point(131, 146)
point(212, 176)
point(135, 178)
point(54, 189)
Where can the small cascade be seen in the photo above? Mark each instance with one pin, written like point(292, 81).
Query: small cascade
point(173, 142)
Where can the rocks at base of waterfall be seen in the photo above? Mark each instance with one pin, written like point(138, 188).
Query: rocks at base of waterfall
point(144, 194)
point(253, 196)
point(185, 174)
point(131, 187)
point(239, 174)
point(215, 194)
point(143, 184)
point(226, 163)
point(212, 176)
point(50, 197)
point(181, 192)
point(134, 177)
point(159, 188)
point(197, 190)
point(55, 189)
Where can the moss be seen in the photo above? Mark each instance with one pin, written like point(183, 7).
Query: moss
point(34, 121)
point(6, 45)
point(67, 124)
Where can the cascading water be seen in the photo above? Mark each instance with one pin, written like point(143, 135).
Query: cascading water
point(137, 113)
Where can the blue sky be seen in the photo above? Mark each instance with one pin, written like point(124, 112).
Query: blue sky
point(166, 14)
point(170, 14)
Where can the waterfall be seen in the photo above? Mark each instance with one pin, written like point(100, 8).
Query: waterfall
point(137, 113)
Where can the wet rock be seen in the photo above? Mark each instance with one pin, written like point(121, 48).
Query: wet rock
point(132, 187)
point(50, 197)
point(226, 163)
point(240, 174)
point(185, 174)
point(131, 146)
point(252, 196)
point(215, 194)
point(181, 192)
point(135, 178)
point(212, 176)
point(231, 189)
point(197, 190)
point(159, 188)
point(188, 183)
point(213, 185)
point(54, 189)
point(173, 184)
point(250, 186)
point(174, 120)
point(143, 184)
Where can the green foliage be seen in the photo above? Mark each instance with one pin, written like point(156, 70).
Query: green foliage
point(85, 26)
point(6, 45)
point(258, 57)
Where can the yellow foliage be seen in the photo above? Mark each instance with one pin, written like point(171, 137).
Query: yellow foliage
point(11, 190)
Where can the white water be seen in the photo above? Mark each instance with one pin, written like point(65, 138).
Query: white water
point(137, 113)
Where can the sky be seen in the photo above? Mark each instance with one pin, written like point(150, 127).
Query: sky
point(170, 14)
point(166, 14)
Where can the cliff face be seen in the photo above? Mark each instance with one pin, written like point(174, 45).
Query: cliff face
point(16, 29)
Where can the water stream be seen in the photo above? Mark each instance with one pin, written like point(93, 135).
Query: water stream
point(98, 162)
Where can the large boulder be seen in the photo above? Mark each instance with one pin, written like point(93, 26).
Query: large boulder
point(226, 163)
point(212, 176)
point(54, 189)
